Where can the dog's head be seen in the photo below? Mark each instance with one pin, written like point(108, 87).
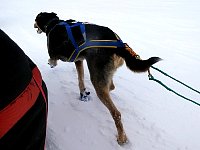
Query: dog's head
point(43, 19)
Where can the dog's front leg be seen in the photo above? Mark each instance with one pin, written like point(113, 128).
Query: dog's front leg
point(80, 70)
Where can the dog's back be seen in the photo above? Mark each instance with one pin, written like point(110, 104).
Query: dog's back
point(96, 32)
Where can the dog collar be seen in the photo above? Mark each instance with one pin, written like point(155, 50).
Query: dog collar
point(48, 23)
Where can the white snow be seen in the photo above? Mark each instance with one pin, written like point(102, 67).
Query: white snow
point(154, 118)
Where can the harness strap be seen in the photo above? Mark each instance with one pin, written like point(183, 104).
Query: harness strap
point(96, 44)
point(12, 113)
point(47, 24)
point(69, 31)
point(88, 43)
point(82, 27)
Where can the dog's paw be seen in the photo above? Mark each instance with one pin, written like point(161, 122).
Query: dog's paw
point(84, 96)
point(122, 139)
point(52, 62)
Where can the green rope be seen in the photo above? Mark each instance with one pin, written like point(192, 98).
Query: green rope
point(152, 78)
point(174, 79)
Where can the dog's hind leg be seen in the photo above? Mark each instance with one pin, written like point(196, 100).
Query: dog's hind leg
point(118, 61)
point(80, 71)
point(104, 96)
point(102, 68)
point(112, 86)
point(102, 82)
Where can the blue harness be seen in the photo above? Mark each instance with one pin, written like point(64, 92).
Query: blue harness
point(88, 43)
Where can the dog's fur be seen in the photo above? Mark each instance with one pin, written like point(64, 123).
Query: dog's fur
point(102, 62)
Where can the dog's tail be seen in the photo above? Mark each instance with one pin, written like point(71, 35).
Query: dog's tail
point(133, 62)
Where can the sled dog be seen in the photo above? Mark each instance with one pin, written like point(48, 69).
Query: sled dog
point(103, 50)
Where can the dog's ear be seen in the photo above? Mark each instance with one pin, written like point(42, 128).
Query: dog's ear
point(39, 14)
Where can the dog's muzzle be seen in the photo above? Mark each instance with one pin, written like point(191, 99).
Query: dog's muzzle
point(39, 31)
